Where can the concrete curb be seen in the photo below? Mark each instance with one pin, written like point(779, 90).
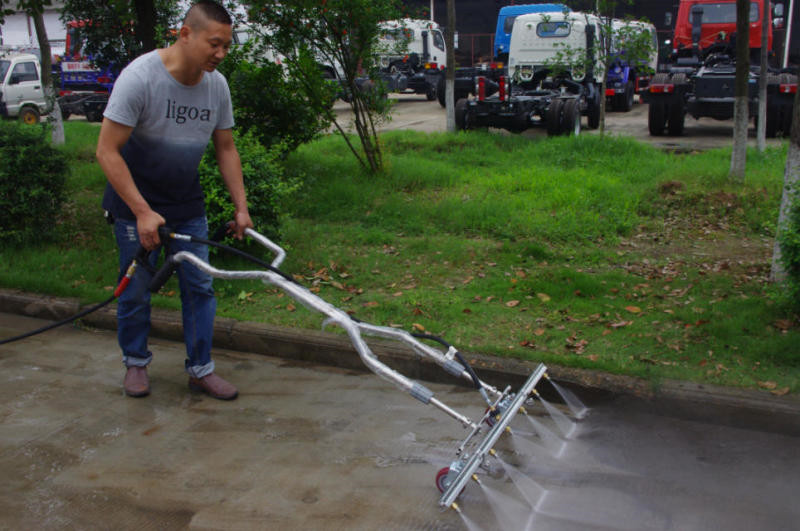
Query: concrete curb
point(729, 406)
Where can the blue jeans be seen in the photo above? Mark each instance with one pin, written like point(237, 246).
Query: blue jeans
point(197, 299)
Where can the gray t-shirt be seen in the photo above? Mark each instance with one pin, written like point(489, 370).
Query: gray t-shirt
point(172, 125)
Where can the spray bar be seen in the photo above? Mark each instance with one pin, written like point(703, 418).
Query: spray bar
point(485, 447)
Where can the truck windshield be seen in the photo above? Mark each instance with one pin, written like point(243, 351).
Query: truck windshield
point(725, 13)
point(3, 69)
point(552, 29)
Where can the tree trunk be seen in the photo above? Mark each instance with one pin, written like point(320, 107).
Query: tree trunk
point(791, 182)
point(740, 106)
point(450, 79)
point(761, 130)
point(146, 26)
point(55, 117)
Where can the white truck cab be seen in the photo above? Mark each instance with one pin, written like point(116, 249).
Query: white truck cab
point(423, 39)
point(21, 91)
point(537, 38)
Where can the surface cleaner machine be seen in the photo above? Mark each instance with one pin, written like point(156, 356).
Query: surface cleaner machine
point(501, 406)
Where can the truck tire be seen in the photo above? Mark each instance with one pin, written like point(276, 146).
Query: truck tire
point(29, 115)
point(656, 118)
point(677, 117)
point(430, 92)
point(440, 92)
point(461, 114)
point(571, 118)
point(553, 117)
point(593, 115)
point(626, 100)
point(773, 120)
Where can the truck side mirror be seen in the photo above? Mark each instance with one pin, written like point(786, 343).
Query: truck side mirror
point(777, 23)
point(668, 19)
point(777, 11)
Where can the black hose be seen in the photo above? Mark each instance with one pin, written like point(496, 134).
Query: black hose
point(60, 323)
point(475, 380)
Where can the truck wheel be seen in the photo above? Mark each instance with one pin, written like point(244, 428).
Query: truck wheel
point(773, 120)
point(553, 117)
point(430, 92)
point(677, 116)
point(627, 98)
point(65, 115)
point(29, 115)
point(593, 115)
point(656, 118)
point(440, 92)
point(94, 116)
point(461, 114)
point(571, 118)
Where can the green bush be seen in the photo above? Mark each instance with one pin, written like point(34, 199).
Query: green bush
point(32, 178)
point(267, 187)
point(268, 102)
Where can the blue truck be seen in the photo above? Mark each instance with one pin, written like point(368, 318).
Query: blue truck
point(83, 88)
point(626, 78)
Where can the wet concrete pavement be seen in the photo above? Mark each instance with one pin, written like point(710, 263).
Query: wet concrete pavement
point(311, 447)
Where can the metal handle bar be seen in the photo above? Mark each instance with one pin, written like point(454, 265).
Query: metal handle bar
point(335, 315)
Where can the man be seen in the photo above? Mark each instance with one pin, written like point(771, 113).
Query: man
point(164, 108)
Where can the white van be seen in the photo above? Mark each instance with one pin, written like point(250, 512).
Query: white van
point(21, 90)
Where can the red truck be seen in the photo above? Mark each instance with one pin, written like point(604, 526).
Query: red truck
point(699, 77)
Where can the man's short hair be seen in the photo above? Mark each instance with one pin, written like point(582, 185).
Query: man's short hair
point(205, 10)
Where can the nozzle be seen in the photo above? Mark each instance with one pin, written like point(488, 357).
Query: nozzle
point(535, 392)
point(508, 430)
point(492, 452)
point(455, 507)
point(475, 478)
point(523, 411)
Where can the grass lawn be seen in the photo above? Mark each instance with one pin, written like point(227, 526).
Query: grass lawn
point(589, 252)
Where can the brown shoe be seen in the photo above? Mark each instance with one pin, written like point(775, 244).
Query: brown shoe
point(136, 383)
point(214, 386)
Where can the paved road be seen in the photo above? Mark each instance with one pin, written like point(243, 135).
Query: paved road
point(416, 113)
point(311, 447)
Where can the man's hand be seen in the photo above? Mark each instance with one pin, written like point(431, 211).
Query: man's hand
point(147, 224)
point(241, 221)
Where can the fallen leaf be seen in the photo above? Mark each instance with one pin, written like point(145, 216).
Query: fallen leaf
point(783, 324)
point(529, 344)
point(466, 310)
point(620, 324)
point(606, 331)
point(780, 392)
point(397, 294)
point(768, 385)
point(538, 332)
point(291, 307)
point(511, 304)
point(417, 326)
point(370, 304)
point(544, 297)
point(633, 309)
point(592, 357)
point(337, 285)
